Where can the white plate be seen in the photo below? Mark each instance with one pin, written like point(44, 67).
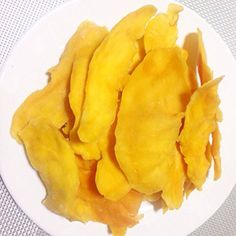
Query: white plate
point(25, 71)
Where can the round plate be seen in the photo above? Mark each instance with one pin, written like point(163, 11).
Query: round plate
point(25, 71)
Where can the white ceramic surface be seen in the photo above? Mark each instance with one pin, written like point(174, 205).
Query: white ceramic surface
point(24, 72)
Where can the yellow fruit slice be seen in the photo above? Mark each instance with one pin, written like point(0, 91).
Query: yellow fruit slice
point(50, 154)
point(148, 125)
point(206, 74)
point(162, 31)
point(215, 149)
point(173, 191)
point(199, 124)
point(191, 45)
point(93, 36)
point(110, 180)
point(52, 101)
point(108, 70)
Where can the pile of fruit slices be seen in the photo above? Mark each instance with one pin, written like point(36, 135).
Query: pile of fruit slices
point(126, 116)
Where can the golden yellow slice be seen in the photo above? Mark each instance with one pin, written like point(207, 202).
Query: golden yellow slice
point(215, 149)
point(205, 73)
point(93, 35)
point(110, 180)
point(52, 102)
point(173, 191)
point(148, 125)
point(162, 31)
point(108, 70)
point(199, 124)
point(191, 45)
point(50, 154)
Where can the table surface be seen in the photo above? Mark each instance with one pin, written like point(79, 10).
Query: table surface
point(17, 16)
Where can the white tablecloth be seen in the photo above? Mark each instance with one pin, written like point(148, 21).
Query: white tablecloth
point(17, 16)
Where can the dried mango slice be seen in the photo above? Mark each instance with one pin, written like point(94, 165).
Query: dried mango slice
point(94, 36)
point(191, 45)
point(162, 31)
point(208, 153)
point(173, 190)
point(110, 180)
point(199, 124)
point(51, 155)
point(205, 73)
point(108, 71)
point(215, 149)
point(51, 102)
point(119, 214)
point(148, 125)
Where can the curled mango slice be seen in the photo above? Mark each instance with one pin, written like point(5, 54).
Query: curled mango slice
point(110, 180)
point(206, 74)
point(148, 126)
point(215, 150)
point(93, 36)
point(52, 101)
point(51, 155)
point(162, 31)
point(199, 124)
point(108, 71)
point(191, 45)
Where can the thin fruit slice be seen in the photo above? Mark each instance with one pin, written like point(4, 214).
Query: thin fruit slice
point(110, 180)
point(94, 35)
point(148, 125)
point(199, 124)
point(52, 101)
point(51, 155)
point(191, 45)
point(112, 61)
point(205, 73)
point(215, 149)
